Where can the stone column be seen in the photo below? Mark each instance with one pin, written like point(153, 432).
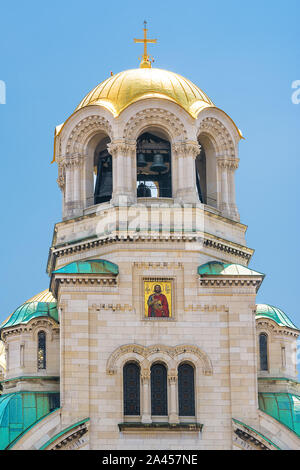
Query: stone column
point(146, 402)
point(70, 181)
point(226, 186)
point(173, 411)
point(186, 153)
point(123, 155)
point(77, 188)
point(233, 164)
point(61, 181)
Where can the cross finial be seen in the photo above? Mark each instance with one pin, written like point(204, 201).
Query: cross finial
point(146, 59)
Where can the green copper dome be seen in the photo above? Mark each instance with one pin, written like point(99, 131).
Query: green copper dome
point(217, 268)
point(92, 266)
point(275, 314)
point(20, 410)
point(42, 305)
point(284, 407)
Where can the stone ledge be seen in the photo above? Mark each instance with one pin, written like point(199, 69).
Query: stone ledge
point(140, 427)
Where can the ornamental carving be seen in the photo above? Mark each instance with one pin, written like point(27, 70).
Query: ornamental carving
point(145, 352)
point(186, 149)
point(85, 129)
point(123, 148)
point(222, 139)
point(71, 161)
point(230, 163)
point(265, 324)
point(154, 116)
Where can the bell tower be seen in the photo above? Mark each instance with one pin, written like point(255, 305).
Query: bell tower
point(149, 265)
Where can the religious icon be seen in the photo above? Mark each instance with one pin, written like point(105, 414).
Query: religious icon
point(158, 303)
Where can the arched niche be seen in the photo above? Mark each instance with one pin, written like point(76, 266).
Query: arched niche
point(206, 172)
point(153, 164)
point(97, 168)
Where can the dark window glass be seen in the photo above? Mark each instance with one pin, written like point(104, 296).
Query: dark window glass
point(186, 390)
point(159, 397)
point(131, 386)
point(41, 350)
point(263, 351)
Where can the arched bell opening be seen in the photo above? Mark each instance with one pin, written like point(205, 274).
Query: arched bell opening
point(206, 172)
point(103, 173)
point(201, 176)
point(98, 170)
point(153, 161)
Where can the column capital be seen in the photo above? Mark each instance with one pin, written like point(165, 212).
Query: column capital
point(231, 163)
point(61, 181)
point(172, 376)
point(120, 146)
point(186, 149)
point(145, 375)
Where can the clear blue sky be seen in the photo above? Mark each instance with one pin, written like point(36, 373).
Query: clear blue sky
point(244, 55)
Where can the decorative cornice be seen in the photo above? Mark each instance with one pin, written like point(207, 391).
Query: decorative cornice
point(222, 246)
point(68, 437)
point(206, 308)
point(159, 427)
point(229, 282)
point(81, 280)
point(32, 378)
point(111, 307)
point(157, 265)
point(274, 328)
point(253, 438)
point(16, 330)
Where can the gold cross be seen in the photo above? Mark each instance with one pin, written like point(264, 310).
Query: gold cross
point(145, 62)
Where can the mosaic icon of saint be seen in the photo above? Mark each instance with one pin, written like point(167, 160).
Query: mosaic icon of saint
point(158, 304)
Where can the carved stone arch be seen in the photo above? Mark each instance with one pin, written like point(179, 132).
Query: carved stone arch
point(42, 324)
point(84, 130)
point(219, 135)
point(157, 351)
point(122, 354)
point(266, 327)
point(161, 357)
point(154, 117)
point(130, 357)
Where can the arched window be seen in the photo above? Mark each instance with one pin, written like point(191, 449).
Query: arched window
point(186, 390)
point(263, 351)
point(159, 395)
point(131, 389)
point(41, 354)
point(153, 166)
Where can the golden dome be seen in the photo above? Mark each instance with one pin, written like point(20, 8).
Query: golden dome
point(125, 88)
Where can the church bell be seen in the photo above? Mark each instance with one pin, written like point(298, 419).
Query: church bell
point(158, 164)
point(103, 189)
point(141, 161)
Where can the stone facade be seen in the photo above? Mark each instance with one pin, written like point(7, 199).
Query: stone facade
point(102, 322)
